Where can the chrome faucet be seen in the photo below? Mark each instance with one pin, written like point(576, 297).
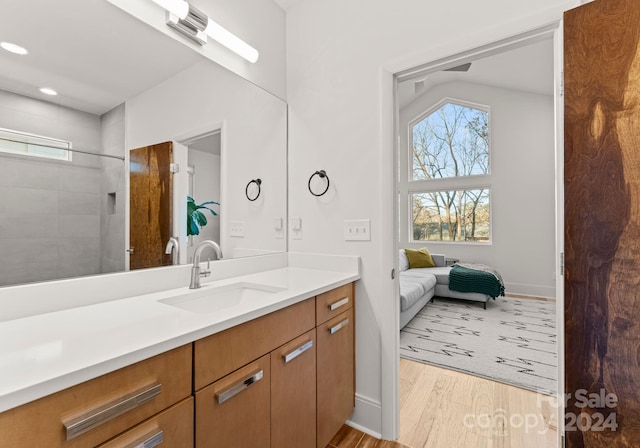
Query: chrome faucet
point(173, 246)
point(195, 270)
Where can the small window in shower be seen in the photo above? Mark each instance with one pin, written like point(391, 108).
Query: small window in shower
point(15, 142)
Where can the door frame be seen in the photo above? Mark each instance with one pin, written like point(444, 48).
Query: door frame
point(182, 142)
point(545, 26)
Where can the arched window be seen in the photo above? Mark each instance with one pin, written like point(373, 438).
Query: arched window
point(449, 188)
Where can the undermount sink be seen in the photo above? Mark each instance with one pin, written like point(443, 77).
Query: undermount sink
point(211, 299)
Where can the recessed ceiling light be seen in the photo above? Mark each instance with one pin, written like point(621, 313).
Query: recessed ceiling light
point(13, 48)
point(48, 91)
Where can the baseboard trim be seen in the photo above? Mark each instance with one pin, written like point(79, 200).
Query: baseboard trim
point(527, 297)
point(548, 292)
point(367, 416)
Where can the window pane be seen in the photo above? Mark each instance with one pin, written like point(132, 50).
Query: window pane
point(46, 151)
point(30, 145)
point(453, 215)
point(453, 141)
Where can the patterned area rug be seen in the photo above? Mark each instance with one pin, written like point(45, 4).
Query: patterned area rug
point(513, 341)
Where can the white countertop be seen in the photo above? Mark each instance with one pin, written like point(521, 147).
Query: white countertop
point(45, 353)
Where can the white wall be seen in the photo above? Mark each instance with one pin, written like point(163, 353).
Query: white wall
point(254, 135)
point(339, 115)
point(261, 23)
point(522, 185)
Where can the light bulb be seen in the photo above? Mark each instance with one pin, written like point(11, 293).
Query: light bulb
point(231, 41)
point(179, 8)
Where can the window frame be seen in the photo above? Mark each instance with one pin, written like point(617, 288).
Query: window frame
point(64, 145)
point(430, 111)
point(411, 193)
point(467, 182)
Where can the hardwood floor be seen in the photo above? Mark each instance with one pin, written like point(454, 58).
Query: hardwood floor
point(349, 437)
point(441, 408)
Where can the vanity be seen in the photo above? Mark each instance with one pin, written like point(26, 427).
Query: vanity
point(96, 351)
point(274, 369)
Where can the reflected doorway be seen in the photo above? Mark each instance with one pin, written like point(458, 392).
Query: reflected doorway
point(204, 162)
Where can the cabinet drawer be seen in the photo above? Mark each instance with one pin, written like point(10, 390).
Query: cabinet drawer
point(334, 302)
point(172, 428)
point(336, 375)
point(293, 393)
point(224, 352)
point(93, 412)
point(234, 412)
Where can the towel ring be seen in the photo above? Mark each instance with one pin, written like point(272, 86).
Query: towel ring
point(323, 175)
point(258, 182)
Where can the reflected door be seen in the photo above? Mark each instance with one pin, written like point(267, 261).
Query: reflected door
point(150, 202)
point(602, 224)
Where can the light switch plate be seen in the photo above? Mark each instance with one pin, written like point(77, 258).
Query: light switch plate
point(237, 229)
point(296, 228)
point(278, 227)
point(357, 230)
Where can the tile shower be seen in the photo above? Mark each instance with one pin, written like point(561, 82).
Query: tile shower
point(61, 219)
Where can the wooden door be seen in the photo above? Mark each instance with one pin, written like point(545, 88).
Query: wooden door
point(602, 223)
point(150, 198)
point(293, 393)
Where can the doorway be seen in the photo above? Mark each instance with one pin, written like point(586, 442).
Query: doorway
point(511, 67)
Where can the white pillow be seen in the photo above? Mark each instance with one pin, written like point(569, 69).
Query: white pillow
point(403, 261)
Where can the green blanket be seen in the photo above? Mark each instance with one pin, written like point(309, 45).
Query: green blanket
point(463, 279)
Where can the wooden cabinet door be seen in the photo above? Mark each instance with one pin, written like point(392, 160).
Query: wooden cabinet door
point(335, 375)
point(602, 222)
point(293, 393)
point(234, 412)
point(171, 428)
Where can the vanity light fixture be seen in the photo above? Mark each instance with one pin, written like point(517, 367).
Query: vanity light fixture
point(13, 48)
point(48, 91)
point(196, 25)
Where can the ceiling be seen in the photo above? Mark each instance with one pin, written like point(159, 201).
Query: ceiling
point(528, 69)
point(92, 53)
point(287, 4)
point(210, 144)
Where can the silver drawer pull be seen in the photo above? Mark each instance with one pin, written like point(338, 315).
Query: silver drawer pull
point(239, 387)
point(342, 302)
point(111, 410)
point(150, 440)
point(293, 354)
point(339, 326)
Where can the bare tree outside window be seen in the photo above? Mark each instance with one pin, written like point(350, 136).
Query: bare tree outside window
point(451, 142)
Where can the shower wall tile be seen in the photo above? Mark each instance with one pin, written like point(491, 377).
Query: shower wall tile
point(81, 180)
point(89, 266)
point(72, 250)
point(28, 201)
point(25, 251)
point(35, 272)
point(72, 203)
point(22, 173)
point(79, 226)
point(36, 225)
point(52, 213)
